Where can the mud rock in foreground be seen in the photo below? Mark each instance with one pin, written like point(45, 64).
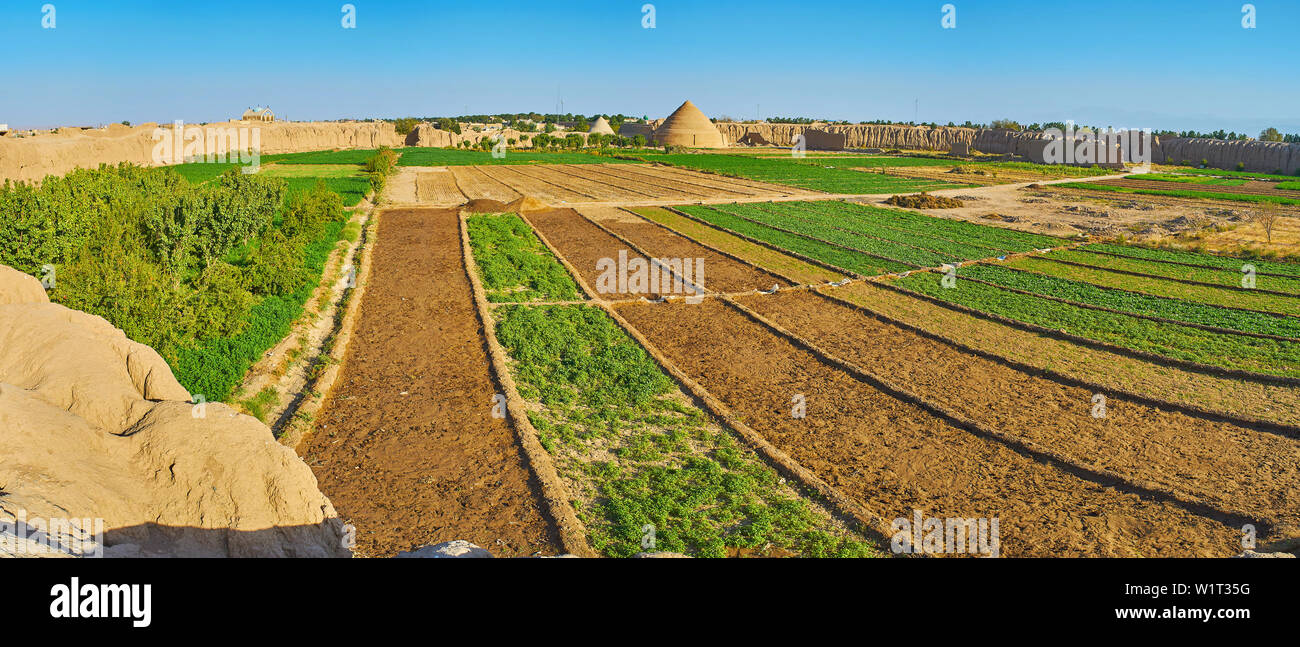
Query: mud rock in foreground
point(94, 425)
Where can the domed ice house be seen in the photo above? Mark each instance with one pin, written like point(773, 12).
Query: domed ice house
point(689, 127)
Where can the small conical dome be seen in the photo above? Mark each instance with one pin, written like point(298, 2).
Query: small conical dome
point(687, 126)
point(601, 127)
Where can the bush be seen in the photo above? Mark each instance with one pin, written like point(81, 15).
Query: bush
point(276, 267)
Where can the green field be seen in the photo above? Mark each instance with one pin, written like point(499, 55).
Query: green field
point(1171, 340)
point(357, 157)
point(1162, 287)
point(816, 174)
point(1194, 258)
point(1223, 277)
point(1187, 179)
point(1175, 193)
point(347, 180)
point(1165, 308)
point(1236, 174)
point(514, 265)
point(643, 463)
point(957, 239)
point(830, 254)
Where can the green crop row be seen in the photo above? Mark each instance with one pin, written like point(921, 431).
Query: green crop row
point(882, 248)
point(1233, 265)
point(823, 213)
point(513, 263)
point(830, 254)
point(645, 466)
point(960, 230)
point(1156, 268)
point(1187, 179)
point(1290, 185)
point(1174, 193)
point(1161, 287)
point(1167, 339)
point(817, 174)
point(1154, 306)
point(1240, 174)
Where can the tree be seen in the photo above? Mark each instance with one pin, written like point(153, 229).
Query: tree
point(1006, 124)
point(1270, 135)
point(638, 141)
point(1267, 218)
point(404, 125)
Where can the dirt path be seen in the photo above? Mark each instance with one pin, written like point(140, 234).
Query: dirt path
point(406, 446)
point(1239, 470)
point(895, 458)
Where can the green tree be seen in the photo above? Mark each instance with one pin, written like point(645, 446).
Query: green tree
point(1270, 135)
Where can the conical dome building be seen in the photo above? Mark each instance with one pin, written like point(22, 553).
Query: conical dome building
point(687, 126)
point(601, 127)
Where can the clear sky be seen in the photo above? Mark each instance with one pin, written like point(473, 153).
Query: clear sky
point(1177, 64)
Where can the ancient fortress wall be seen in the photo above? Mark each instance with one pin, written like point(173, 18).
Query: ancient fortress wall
point(1254, 155)
point(32, 158)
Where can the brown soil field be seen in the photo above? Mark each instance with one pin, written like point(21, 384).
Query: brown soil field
point(527, 182)
point(1276, 403)
point(721, 273)
point(630, 185)
point(672, 185)
point(437, 186)
point(476, 185)
point(766, 257)
point(599, 188)
point(727, 182)
point(405, 445)
point(893, 457)
point(1234, 469)
point(581, 243)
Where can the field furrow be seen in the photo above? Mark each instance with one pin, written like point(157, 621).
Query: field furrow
point(406, 446)
point(1196, 459)
point(1256, 355)
point(721, 273)
point(1206, 294)
point(895, 458)
point(478, 186)
point(1271, 402)
point(520, 180)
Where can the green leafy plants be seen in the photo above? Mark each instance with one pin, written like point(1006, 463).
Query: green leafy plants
point(645, 466)
point(513, 263)
point(1168, 339)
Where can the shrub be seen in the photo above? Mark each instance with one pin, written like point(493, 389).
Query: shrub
point(276, 267)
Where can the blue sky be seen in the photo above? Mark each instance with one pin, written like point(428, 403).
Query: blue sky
point(1167, 64)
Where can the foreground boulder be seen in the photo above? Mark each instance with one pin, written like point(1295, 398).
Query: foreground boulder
point(94, 426)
